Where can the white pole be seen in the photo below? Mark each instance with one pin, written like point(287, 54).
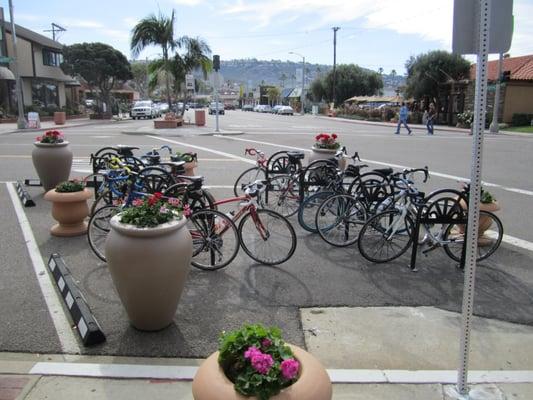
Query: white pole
point(216, 100)
point(475, 193)
point(303, 85)
point(494, 128)
point(21, 121)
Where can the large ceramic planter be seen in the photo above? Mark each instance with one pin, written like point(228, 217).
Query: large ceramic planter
point(210, 382)
point(149, 267)
point(52, 163)
point(70, 211)
point(325, 154)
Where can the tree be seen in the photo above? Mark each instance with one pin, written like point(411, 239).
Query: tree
point(273, 94)
point(157, 31)
point(380, 70)
point(140, 78)
point(282, 79)
point(99, 64)
point(351, 80)
point(426, 73)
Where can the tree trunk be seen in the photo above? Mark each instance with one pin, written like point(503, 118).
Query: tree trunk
point(167, 77)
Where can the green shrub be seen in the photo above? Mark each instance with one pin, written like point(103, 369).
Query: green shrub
point(520, 119)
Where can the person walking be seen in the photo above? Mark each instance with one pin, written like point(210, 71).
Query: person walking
point(404, 113)
point(432, 113)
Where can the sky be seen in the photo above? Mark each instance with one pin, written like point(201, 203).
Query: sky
point(372, 34)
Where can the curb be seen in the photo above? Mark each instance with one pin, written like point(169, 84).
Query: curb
point(59, 127)
point(182, 134)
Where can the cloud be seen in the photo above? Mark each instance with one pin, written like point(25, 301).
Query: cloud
point(26, 17)
point(190, 3)
point(81, 23)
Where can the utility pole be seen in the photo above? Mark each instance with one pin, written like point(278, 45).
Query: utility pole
point(494, 128)
point(55, 29)
point(335, 29)
point(21, 121)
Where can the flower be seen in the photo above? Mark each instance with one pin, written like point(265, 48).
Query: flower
point(51, 137)
point(326, 141)
point(151, 211)
point(174, 201)
point(257, 361)
point(187, 210)
point(289, 368)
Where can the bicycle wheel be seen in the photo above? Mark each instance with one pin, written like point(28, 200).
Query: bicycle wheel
point(98, 229)
point(283, 195)
point(247, 177)
point(386, 236)
point(196, 199)
point(339, 220)
point(215, 239)
point(154, 179)
point(307, 212)
point(490, 237)
point(267, 237)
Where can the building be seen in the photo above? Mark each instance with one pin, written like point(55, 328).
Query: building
point(43, 82)
point(516, 96)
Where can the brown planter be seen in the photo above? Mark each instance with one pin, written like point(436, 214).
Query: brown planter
point(70, 211)
point(189, 168)
point(52, 163)
point(484, 221)
point(149, 267)
point(165, 124)
point(199, 117)
point(325, 154)
point(210, 382)
point(60, 118)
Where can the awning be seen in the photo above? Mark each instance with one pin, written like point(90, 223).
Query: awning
point(6, 74)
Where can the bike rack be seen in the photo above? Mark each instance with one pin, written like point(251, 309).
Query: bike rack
point(440, 207)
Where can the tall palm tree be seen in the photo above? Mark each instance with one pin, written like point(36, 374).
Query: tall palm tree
point(157, 31)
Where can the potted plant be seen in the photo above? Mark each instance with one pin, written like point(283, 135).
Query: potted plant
point(325, 148)
point(254, 362)
point(190, 159)
point(487, 203)
point(69, 208)
point(148, 251)
point(52, 159)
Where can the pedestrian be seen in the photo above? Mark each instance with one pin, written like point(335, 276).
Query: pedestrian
point(404, 113)
point(432, 113)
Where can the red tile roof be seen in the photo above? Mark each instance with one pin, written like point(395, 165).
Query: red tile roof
point(521, 68)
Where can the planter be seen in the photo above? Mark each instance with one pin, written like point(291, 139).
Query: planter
point(210, 382)
point(165, 124)
point(199, 117)
point(189, 168)
point(60, 117)
point(325, 154)
point(52, 163)
point(70, 211)
point(149, 267)
point(484, 221)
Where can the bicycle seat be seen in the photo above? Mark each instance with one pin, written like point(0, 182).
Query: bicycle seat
point(151, 158)
point(125, 150)
point(295, 155)
point(384, 171)
point(196, 182)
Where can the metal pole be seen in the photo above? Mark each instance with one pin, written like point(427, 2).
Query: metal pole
point(303, 85)
point(21, 121)
point(216, 100)
point(494, 128)
point(475, 193)
point(335, 29)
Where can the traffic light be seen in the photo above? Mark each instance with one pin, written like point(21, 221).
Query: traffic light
point(506, 76)
point(216, 62)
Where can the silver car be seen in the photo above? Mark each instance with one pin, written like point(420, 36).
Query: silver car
point(143, 109)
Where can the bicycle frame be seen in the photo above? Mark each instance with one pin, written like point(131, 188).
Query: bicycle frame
point(249, 204)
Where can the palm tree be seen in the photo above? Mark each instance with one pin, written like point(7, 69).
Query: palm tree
point(380, 70)
point(273, 94)
point(158, 31)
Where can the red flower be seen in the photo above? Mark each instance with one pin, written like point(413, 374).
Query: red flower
point(39, 138)
point(158, 195)
point(334, 136)
point(152, 200)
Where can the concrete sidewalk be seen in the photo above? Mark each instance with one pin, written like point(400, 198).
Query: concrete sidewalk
point(47, 125)
point(382, 353)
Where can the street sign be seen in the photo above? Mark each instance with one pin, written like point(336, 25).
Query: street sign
point(189, 82)
point(466, 15)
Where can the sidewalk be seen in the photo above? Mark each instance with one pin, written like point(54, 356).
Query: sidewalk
point(381, 353)
point(46, 125)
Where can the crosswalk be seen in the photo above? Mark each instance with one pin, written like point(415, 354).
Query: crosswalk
point(82, 165)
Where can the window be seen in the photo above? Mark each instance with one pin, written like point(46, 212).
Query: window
point(44, 94)
point(52, 58)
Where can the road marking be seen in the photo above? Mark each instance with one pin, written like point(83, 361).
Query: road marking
point(524, 244)
point(219, 187)
point(439, 174)
point(187, 373)
point(220, 153)
point(64, 331)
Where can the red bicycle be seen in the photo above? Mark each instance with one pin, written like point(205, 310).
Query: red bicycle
point(265, 235)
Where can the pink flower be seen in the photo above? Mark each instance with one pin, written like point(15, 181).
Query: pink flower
point(174, 202)
point(289, 368)
point(262, 362)
point(187, 210)
point(137, 202)
point(39, 138)
point(252, 351)
point(266, 342)
point(163, 210)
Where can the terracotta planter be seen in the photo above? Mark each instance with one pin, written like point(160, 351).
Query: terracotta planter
point(52, 163)
point(189, 168)
point(165, 124)
point(149, 267)
point(484, 221)
point(60, 118)
point(70, 211)
point(210, 382)
point(325, 154)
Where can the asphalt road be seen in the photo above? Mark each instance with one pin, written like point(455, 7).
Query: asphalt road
point(317, 275)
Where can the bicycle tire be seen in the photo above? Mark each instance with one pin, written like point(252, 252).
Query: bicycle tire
point(375, 230)
point(209, 242)
point(339, 220)
point(308, 209)
point(197, 200)
point(249, 231)
point(248, 176)
point(489, 238)
point(98, 228)
point(283, 195)
point(154, 179)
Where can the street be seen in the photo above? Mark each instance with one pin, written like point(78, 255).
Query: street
point(317, 275)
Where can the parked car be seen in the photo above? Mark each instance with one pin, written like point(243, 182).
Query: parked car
point(163, 107)
point(213, 108)
point(275, 109)
point(263, 108)
point(143, 109)
point(247, 107)
point(229, 106)
point(286, 110)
